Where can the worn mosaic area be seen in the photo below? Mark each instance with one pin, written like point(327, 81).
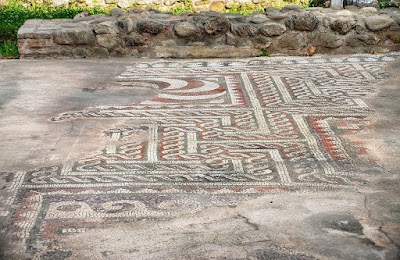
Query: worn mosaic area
point(218, 129)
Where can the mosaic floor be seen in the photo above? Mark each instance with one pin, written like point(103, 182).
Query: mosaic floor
point(218, 129)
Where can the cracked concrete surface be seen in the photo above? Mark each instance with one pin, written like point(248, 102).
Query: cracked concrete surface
point(361, 222)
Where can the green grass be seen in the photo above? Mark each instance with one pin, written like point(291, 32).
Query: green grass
point(14, 14)
point(184, 7)
point(386, 4)
point(9, 49)
point(245, 9)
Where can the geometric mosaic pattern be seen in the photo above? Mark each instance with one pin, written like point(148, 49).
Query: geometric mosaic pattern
point(218, 129)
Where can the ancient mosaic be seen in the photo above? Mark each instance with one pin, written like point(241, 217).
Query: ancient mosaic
point(217, 129)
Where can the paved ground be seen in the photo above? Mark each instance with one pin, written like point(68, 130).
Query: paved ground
point(265, 158)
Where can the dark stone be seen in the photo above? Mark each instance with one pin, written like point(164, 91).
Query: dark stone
point(236, 17)
point(343, 25)
point(378, 22)
point(261, 41)
point(328, 40)
point(396, 18)
point(272, 29)
point(361, 40)
point(302, 22)
point(81, 53)
point(394, 36)
point(108, 41)
point(216, 25)
point(230, 39)
point(75, 36)
point(108, 27)
point(65, 53)
point(271, 10)
point(116, 12)
point(276, 15)
point(133, 39)
point(257, 19)
point(101, 52)
point(219, 40)
point(185, 29)
point(292, 41)
point(244, 30)
point(160, 16)
point(150, 26)
point(127, 25)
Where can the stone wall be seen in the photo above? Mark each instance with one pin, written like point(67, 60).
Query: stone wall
point(146, 33)
point(166, 5)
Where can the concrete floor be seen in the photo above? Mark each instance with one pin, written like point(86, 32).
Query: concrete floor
point(56, 113)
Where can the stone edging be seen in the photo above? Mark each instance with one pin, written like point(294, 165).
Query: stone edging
point(150, 34)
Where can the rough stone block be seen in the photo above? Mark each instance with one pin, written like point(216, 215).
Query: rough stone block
point(261, 42)
point(159, 16)
point(378, 22)
point(292, 41)
point(396, 18)
point(276, 16)
point(29, 30)
point(75, 36)
point(244, 30)
point(133, 39)
point(230, 39)
point(127, 25)
point(328, 40)
point(116, 12)
point(236, 18)
point(216, 25)
point(185, 29)
point(272, 29)
point(361, 40)
point(394, 36)
point(100, 52)
point(108, 27)
point(81, 53)
point(38, 43)
point(343, 25)
point(108, 41)
point(150, 26)
point(302, 22)
point(368, 10)
point(257, 19)
point(268, 10)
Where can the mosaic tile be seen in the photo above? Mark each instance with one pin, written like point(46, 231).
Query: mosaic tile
point(221, 129)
